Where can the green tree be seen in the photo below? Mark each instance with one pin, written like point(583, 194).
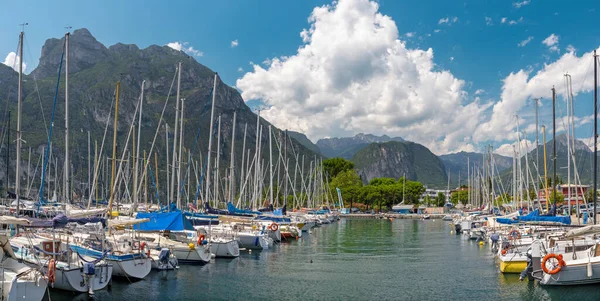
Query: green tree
point(349, 183)
point(413, 191)
point(559, 197)
point(382, 181)
point(334, 166)
point(503, 198)
point(440, 199)
point(428, 200)
point(461, 196)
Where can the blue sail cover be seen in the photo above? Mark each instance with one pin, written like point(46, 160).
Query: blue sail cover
point(172, 221)
point(534, 216)
point(232, 209)
point(61, 220)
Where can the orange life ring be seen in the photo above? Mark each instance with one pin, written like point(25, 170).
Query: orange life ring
point(201, 238)
point(503, 252)
point(273, 227)
point(559, 258)
point(51, 271)
point(514, 234)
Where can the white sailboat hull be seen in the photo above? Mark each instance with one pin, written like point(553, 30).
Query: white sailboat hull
point(225, 249)
point(74, 279)
point(132, 269)
point(252, 241)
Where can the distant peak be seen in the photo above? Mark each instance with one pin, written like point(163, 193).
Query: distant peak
point(82, 32)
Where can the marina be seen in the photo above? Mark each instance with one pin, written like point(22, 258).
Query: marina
point(351, 166)
point(351, 259)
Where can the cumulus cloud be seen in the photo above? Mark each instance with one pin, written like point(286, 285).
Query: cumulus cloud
point(410, 34)
point(436, 30)
point(479, 91)
point(520, 86)
point(240, 69)
point(509, 149)
point(12, 60)
point(379, 87)
point(525, 42)
point(571, 48)
point(503, 20)
point(185, 48)
point(234, 43)
point(551, 42)
point(521, 4)
point(488, 21)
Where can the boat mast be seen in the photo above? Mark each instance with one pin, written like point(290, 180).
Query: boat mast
point(19, 104)
point(137, 149)
point(174, 159)
point(210, 134)
point(595, 132)
point(554, 180)
point(114, 151)
point(231, 158)
point(537, 149)
point(270, 167)
point(545, 166)
point(67, 179)
point(217, 161)
point(180, 156)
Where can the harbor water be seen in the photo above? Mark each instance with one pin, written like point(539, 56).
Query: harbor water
point(349, 260)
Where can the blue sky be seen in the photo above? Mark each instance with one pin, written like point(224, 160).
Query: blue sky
point(474, 46)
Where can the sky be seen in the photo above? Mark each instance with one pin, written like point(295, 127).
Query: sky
point(451, 75)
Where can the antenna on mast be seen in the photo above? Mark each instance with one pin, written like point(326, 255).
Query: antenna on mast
point(23, 26)
point(68, 28)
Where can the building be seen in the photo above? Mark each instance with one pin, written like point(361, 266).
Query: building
point(432, 194)
point(575, 195)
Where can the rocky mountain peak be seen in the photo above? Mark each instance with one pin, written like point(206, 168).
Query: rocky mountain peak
point(84, 52)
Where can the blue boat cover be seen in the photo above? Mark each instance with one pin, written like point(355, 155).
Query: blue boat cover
point(232, 209)
point(161, 221)
point(534, 216)
point(61, 220)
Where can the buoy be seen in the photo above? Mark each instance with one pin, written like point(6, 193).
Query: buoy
point(481, 243)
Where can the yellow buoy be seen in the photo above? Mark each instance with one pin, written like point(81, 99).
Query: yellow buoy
point(481, 243)
point(191, 246)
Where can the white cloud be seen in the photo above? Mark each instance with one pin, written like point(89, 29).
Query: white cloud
point(240, 69)
point(451, 58)
point(521, 4)
point(448, 20)
point(12, 60)
point(323, 88)
point(234, 43)
point(551, 42)
point(503, 20)
point(519, 148)
point(525, 42)
point(571, 48)
point(488, 21)
point(185, 48)
point(437, 30)
point(410, 34)
point(479, 91)
point(520, 86)
point(514, 22)
point(589, 141)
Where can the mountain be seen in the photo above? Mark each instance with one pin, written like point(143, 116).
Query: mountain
point(457, 164)
point(394, 159)
point(347, 147)
point(583, 159)
point(93, 71)
point(302, 139)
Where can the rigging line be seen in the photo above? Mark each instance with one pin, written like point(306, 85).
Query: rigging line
point(37, 89)
point(47, 151)
point(162, 114)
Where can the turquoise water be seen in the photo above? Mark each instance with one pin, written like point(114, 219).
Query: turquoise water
point(351, 260)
